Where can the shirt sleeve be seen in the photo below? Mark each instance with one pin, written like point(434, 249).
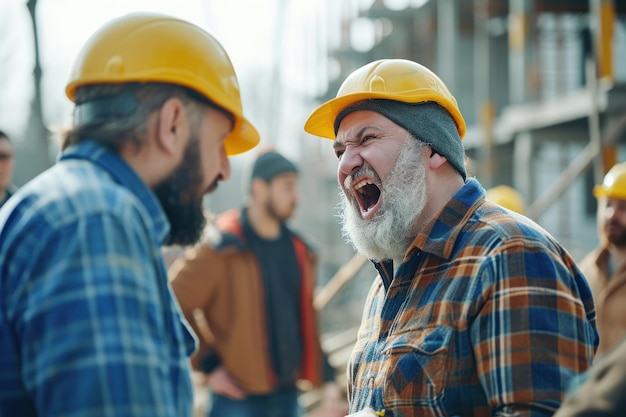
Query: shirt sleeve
point(532, 334)
point(90, 318)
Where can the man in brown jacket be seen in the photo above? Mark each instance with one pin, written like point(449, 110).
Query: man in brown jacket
point(601, 390)
point(604, 267)
point(249, 297)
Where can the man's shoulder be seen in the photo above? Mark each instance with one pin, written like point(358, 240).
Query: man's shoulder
point(589, 263)
point(68, 192)
point(298, 237)
point(229, 222)
point(508, 226)
point(227, 230)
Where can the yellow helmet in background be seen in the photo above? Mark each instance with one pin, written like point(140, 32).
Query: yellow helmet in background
point(506, 197)
point(148, 47)
point(391, 79)
point(614, 184)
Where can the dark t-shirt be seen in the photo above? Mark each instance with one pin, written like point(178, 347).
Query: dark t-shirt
point(281, 278)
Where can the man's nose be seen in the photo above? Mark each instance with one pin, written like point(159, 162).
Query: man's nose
point(350, 161)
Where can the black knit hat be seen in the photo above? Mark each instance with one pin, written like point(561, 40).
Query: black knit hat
point(428, 122)
point(271, 164)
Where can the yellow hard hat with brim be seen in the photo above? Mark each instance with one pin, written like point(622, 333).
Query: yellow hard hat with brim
point(391, 79)
point(149, 47)
point(614, 183)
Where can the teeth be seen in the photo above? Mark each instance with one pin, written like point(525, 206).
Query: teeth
point(362, 184)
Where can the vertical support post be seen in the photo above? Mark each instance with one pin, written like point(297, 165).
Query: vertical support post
point(446, 39)
point(603, 13)
point(482, 93)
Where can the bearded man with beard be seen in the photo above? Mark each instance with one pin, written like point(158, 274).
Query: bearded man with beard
point(248, 293)
point(88, 324)
point(605, 266)
point(476, 310)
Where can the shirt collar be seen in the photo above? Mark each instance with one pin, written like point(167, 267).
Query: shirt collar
point(124, 175)
point(440, 234)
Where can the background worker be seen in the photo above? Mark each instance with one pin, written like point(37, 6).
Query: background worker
point(600, 391)
point(88, 324)
point(6, 167)
point(475, 311)
point(605, 267)
point(253, 287)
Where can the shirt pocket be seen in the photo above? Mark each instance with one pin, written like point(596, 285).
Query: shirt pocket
point(415, 371)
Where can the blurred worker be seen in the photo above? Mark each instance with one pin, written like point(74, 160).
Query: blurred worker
point(601, 391)
point(88, 324)
point(507, 197)
point(254, 288)
point(475, 312)
point(6, 167)
point(605, 267)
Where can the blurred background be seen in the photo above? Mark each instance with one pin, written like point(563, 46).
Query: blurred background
point(541, 84)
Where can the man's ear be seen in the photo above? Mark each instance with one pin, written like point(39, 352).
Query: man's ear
point(171, 126)
point(257, 187)
point(436, 160)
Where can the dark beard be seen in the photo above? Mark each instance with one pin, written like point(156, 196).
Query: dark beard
point(182, 207)
point(271, 210)
point(619, 239)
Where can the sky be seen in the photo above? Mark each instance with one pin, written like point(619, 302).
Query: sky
point(64, 26)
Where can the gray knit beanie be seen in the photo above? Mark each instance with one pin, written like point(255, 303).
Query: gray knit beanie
point(271, 164)
point(428, 122)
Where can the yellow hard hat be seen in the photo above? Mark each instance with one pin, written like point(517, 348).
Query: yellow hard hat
point(391, 79)
point(148, 47)
point(614, 184)
point(506, 197)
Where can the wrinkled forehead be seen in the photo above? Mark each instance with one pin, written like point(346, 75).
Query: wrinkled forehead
point(356, 123)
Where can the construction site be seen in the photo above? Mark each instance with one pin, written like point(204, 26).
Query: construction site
point(541, 85)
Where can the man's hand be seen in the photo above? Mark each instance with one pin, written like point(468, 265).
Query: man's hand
point(221, 382)
point(333, 402)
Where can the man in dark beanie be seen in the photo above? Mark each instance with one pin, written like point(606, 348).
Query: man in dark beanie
point(253, 284)
point(476, 310)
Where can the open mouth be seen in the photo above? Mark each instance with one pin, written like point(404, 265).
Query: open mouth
point(367, 196)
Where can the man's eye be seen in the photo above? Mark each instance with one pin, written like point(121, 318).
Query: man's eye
point(338, 154)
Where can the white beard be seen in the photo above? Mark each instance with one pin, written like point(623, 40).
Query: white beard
point(388, 235)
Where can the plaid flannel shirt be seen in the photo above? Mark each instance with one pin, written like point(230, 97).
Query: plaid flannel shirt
point(487, 316)
point(88, 326)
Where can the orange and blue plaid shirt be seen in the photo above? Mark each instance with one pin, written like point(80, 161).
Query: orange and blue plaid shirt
point(487, 316)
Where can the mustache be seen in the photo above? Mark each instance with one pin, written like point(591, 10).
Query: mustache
point(211, 188)
point(365, 170)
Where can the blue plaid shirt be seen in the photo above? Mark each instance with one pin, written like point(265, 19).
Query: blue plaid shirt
point(487, 316)
point(88, 325)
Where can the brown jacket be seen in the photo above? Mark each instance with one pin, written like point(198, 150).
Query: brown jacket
point(602, 394)
point(609, 296)
point(221, 294)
